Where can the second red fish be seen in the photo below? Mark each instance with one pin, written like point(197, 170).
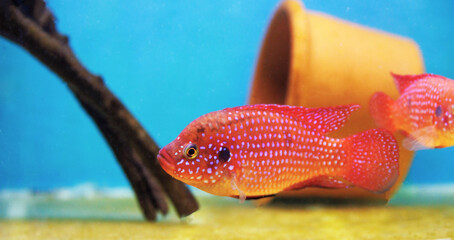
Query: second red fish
point(261, 150)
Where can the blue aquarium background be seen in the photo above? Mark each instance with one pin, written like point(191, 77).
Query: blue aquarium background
point(170, 62)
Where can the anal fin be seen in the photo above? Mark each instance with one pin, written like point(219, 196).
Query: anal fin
point(321, 182)
point(253, 197)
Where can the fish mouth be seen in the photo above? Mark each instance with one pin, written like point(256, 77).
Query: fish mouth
point(166, 161)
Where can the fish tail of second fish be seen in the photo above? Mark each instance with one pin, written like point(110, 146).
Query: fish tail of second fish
point(381, 110)
point(372, 160)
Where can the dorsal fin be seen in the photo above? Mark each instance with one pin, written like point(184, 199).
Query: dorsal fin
point(329, 119)
point(323, 120)
point(403, 81)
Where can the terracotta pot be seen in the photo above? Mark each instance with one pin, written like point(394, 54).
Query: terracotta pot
point(315, 60)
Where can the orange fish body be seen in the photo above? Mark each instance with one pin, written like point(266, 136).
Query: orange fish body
point(423, 112)
point(261, 150)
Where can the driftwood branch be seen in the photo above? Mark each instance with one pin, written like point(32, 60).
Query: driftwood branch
point(31, 25)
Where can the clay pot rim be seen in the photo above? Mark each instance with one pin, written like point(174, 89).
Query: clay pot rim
point(299, 41)
point(290, 22)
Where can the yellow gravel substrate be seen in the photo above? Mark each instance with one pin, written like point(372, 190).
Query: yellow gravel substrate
point(236, 221)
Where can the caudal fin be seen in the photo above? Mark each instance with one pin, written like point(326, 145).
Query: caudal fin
point(381, 106)
point(373, 160)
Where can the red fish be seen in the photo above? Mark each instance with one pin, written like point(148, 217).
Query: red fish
point(424, 111)
point(260, 150)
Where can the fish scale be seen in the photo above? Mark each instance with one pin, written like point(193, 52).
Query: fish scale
point(277, 150)
point(260, 150)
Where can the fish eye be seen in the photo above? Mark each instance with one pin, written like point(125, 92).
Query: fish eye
point(191, 151)
point(438, 111)
point(224, 154)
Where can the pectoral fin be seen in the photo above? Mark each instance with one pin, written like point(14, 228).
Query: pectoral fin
point(421, 139)
point(241, 195)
